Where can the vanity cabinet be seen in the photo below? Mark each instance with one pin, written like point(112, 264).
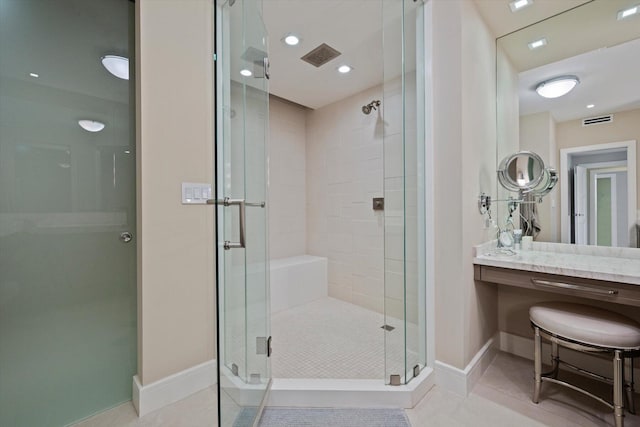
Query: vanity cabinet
point(602, 290)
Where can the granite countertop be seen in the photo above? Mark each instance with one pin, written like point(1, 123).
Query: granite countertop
point(591, 262)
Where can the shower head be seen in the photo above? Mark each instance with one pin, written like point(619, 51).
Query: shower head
point(366, 109)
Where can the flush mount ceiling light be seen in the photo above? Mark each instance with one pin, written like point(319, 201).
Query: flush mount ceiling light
point(291, 39)
point(590, 105)
point(34, 75)
point(117, 65)
point(537, 43)
point(91, 125)
point(557, 87)
point(344, 69)
point(625, 13)
point(517, 5)
point(246, 73)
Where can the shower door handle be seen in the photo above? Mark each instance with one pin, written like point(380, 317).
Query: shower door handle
point(226, 202)
point(267, 73)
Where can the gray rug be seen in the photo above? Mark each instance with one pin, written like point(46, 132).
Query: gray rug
point(333, 417)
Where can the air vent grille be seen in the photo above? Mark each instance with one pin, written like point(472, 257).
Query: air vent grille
point(597, 120)
point(321, 55)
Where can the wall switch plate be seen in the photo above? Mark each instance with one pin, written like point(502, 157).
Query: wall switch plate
point(194, 193)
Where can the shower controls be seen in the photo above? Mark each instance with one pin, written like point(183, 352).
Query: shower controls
point(378, 203)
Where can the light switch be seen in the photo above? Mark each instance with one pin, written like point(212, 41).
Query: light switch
point(195, 193)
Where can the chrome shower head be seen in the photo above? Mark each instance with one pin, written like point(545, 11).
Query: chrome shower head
point(366, 109)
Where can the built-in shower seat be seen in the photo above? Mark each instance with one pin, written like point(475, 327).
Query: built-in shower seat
point(592, 330)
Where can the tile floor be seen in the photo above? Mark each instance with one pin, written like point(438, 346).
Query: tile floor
point(500, 399)
point(346, 342)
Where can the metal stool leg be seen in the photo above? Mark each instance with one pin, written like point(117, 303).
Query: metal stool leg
point(618, 386)
point(555, 358)
point(630, 386)
point(537, 363)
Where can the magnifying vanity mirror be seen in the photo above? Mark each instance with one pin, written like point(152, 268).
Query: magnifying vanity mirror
point(588, 134)
point(521, 171)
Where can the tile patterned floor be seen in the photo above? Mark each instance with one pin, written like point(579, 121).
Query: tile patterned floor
point(330, 338)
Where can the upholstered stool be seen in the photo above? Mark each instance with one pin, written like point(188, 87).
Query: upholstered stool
point(592, 330)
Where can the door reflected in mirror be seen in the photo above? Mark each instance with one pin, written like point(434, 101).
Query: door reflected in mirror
point(589, 135)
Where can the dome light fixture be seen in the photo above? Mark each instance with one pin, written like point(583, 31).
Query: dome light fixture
point(557, 87)
point(117, 65)
point(91, 125)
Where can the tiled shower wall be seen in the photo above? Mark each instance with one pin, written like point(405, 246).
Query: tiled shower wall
point(287, 177)
point(326, 166)
point(344, 173)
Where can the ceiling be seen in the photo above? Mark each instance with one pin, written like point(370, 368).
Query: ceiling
point(354, 28)
point(606, 61)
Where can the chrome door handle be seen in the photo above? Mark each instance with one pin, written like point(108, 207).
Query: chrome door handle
point(267, 73)
point(126, 236)
point(241, 215)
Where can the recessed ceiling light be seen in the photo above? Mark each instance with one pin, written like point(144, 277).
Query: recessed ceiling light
point(590, 106)
point(246, 73)
point(344, 69)
point(91, 125)
point(625, 13)
point(291, 40)
point(557, 87)
point(34, 75)
point(537, 43)
point(117, 65)
point(517, 5)
point(127, 152)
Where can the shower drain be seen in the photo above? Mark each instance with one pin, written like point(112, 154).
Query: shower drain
point(388, 328)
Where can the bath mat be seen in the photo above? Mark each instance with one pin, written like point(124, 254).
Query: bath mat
point(333, 417)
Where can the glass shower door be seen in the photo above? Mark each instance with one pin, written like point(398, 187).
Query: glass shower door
point(404, 233)
point(241, 182)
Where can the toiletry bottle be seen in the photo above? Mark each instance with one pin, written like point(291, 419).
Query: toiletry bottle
point(517, 238)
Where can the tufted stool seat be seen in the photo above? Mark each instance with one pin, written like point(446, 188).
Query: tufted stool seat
point(588, 329)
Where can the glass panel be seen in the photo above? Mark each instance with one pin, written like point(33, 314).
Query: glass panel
point(603, 211)
point(404, 215)
point(67, 281)
point(241, 165)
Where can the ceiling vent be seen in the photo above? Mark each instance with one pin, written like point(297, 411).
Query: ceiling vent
point(321, 55)
point(597, 120)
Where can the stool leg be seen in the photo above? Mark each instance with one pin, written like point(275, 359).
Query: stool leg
point(618, 385)
point(537, 364)
point(630, 387)
point(555, 357)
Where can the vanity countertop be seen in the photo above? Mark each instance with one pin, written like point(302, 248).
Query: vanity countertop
point(602, 263)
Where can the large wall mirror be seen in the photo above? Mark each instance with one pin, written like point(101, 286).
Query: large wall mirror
point(588, 134)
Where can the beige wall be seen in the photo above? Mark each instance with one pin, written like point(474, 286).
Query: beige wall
point(175, 138)
point(624, 127)
point(464, 136)
point(287, 179)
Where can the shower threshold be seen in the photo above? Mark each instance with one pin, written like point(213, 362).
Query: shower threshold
point(344, 393)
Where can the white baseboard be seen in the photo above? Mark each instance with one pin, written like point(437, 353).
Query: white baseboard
point(462, 381)
point(329, 393)
point(150, 397)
